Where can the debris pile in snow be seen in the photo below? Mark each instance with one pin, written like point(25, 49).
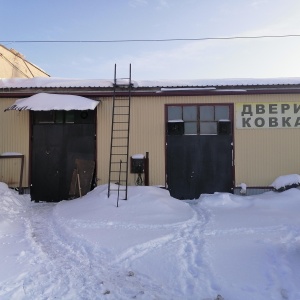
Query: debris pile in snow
point(8, 203)
point(286, 182)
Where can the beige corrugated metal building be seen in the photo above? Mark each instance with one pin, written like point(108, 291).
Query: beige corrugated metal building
point(14, 65)
point(264, 118)
point(15, 126)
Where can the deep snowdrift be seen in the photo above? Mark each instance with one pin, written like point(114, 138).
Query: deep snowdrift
point(150, 247)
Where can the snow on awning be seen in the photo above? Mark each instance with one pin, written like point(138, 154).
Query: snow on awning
point(44, 101)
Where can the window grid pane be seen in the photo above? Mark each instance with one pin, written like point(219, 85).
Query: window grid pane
point(207, 113)
point(221, 112)
point(208, 127)
point(190, 128)
point(70, 116)
point(190, 113)
point(174, 113)
point(199, 119)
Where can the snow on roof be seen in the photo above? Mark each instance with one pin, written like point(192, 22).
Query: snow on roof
point(221, 82)
point(54, 82)
point(45, 102)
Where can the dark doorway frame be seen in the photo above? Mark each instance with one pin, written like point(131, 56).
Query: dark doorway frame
point(222, 127)
point(72, 123)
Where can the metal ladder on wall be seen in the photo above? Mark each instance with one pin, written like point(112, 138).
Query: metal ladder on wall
point(119, 145)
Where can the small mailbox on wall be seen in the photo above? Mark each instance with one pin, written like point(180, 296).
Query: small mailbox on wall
point(137, 165)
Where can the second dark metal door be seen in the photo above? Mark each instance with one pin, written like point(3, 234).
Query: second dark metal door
point(199, 164)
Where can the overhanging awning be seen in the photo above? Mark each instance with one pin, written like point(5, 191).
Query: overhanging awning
point(46, 102)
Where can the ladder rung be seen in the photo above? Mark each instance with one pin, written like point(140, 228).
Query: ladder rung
point(115, 153)
point(120, 189)
point(121, 83)
point(121, 180)
point(118, 171)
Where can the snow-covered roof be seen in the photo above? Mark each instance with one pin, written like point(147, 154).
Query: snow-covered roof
point(221, 82)
point(53, 82)
point(45, 102)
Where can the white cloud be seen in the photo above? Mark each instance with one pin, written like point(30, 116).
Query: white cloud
point(157, 3)
point(137, 3)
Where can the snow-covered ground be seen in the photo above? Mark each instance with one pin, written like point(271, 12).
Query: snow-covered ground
point(152, 246)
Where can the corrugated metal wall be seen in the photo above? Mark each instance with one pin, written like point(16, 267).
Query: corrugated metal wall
point(261, 155)
point(13, 65)
point(147, 133)
point(14, 133)
point(104, 115)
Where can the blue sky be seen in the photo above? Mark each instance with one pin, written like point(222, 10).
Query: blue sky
point(67, 20)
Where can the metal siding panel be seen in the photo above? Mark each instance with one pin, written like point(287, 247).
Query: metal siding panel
point(14, 137)
point(256, 164)
point(104, 115)
point(147, 132)
point(147, 135)
point(261, 155)
point(22, 69)
point(270, 153)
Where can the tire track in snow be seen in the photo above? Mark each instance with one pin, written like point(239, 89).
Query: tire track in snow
point(142, 249)
point(281, 270)
point(186, 244)
point(195, 272)
point(61, 269)
point(167, 242)
point(68, 268)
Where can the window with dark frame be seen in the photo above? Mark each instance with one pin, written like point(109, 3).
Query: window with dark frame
point(198, 119)
point(64, 117)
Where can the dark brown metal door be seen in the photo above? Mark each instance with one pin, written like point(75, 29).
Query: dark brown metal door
point(55, 147)
point(199, 164)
